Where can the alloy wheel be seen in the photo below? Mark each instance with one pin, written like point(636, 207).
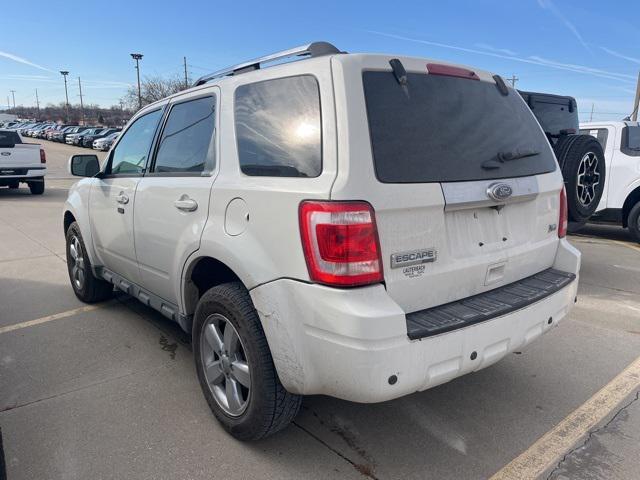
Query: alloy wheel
point(225, 363)
point(78, 266)
point(588, 178)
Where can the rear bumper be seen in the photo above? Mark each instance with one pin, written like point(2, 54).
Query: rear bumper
point(351, 344)
point(21, 173)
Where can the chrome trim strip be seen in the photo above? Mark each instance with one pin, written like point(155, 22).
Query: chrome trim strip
point(465, 195)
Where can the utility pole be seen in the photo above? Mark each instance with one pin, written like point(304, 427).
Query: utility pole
point(636, 102)
point(8, 103)
point(81, 104)
point(513, 80)
point(591, 116)
point(37, 104)
point(186, 77)
point(13, 94)
point(137, 57)
point(64, 74)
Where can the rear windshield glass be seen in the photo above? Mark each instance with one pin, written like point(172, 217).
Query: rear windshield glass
point(8, 139)
point(447, 129)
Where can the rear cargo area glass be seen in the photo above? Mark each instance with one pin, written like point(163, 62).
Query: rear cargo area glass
point(442, 129)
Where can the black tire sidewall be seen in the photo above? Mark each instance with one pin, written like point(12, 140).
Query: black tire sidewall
point(632, 222)
point(37, 188)
point(254, 421)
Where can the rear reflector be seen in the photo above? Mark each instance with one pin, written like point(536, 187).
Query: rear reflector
point(43, 156)
point(449, 71)
point(340, 243)
point(563, 217)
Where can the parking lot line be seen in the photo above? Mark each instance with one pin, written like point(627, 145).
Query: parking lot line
point(554, 444)
point(50, 318)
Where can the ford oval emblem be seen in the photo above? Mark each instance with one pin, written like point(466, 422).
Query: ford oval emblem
point(499, 191)
point(5, 154)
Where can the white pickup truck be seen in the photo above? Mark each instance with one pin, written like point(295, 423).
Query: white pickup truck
point(21, 162)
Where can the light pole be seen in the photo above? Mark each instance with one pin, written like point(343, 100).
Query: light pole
point(81, 104)
point(137, 57)
point(13, 94)
point(64, 74)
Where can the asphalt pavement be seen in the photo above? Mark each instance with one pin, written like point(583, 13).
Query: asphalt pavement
point(110, 391)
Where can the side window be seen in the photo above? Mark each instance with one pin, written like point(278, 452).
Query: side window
point(601, 134)
point(130, 155)
point(187, 144)
point(278, 127)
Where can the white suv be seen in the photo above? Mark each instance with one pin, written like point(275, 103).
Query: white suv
point(360, 226)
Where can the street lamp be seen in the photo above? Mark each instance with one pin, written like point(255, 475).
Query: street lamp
point(137, 57)
point(64, 74)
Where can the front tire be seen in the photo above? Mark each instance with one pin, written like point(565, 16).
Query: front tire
point(14, 185)
point(87, 287)
point(235, 367)
point(633, 222)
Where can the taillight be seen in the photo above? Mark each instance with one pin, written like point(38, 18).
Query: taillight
point(340, 243)
point(563, 217)
point(43, 156)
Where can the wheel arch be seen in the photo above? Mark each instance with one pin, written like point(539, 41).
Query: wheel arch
point(68, 219)
point(199, 275)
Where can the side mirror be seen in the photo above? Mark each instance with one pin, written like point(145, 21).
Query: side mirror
point(84, 165)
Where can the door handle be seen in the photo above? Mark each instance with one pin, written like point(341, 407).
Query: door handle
point(186, 204)
point(122, 198)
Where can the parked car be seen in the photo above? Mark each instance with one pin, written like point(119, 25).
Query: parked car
point(79, 137)
point(379, 248)
point(68, 136)
point(21, 163)
point(51, 131)
point(620, 200)
point(104, 144)
point(60, 135)
point(88, 139)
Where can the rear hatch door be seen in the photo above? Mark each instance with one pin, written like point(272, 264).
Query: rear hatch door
point(465, 196)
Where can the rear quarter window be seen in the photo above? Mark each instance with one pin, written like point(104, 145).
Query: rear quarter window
point(278, 127)
point(600, 134)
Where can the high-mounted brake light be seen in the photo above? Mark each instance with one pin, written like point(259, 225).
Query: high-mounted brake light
point(449, 71)
point(563, 217)
point(340, 243)
point(43, 156)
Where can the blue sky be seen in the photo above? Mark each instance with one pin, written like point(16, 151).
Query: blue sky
point(588, 49)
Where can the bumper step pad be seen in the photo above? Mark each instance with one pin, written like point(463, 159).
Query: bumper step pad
point(485, 306)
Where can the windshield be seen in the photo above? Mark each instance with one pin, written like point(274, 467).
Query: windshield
point(446, 129)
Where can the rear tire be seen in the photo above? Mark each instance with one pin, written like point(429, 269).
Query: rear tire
point(87, 287)
point(14, 185)
point(37, 188)
point(583, 167)
point(249, 406)
point(633, 222)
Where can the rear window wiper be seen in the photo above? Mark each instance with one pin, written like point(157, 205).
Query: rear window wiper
point(503, 157)
point(516, 154)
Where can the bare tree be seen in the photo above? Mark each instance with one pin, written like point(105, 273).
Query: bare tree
point(152, 89)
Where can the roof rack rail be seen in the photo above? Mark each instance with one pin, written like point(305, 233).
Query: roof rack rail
point(314, 49)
